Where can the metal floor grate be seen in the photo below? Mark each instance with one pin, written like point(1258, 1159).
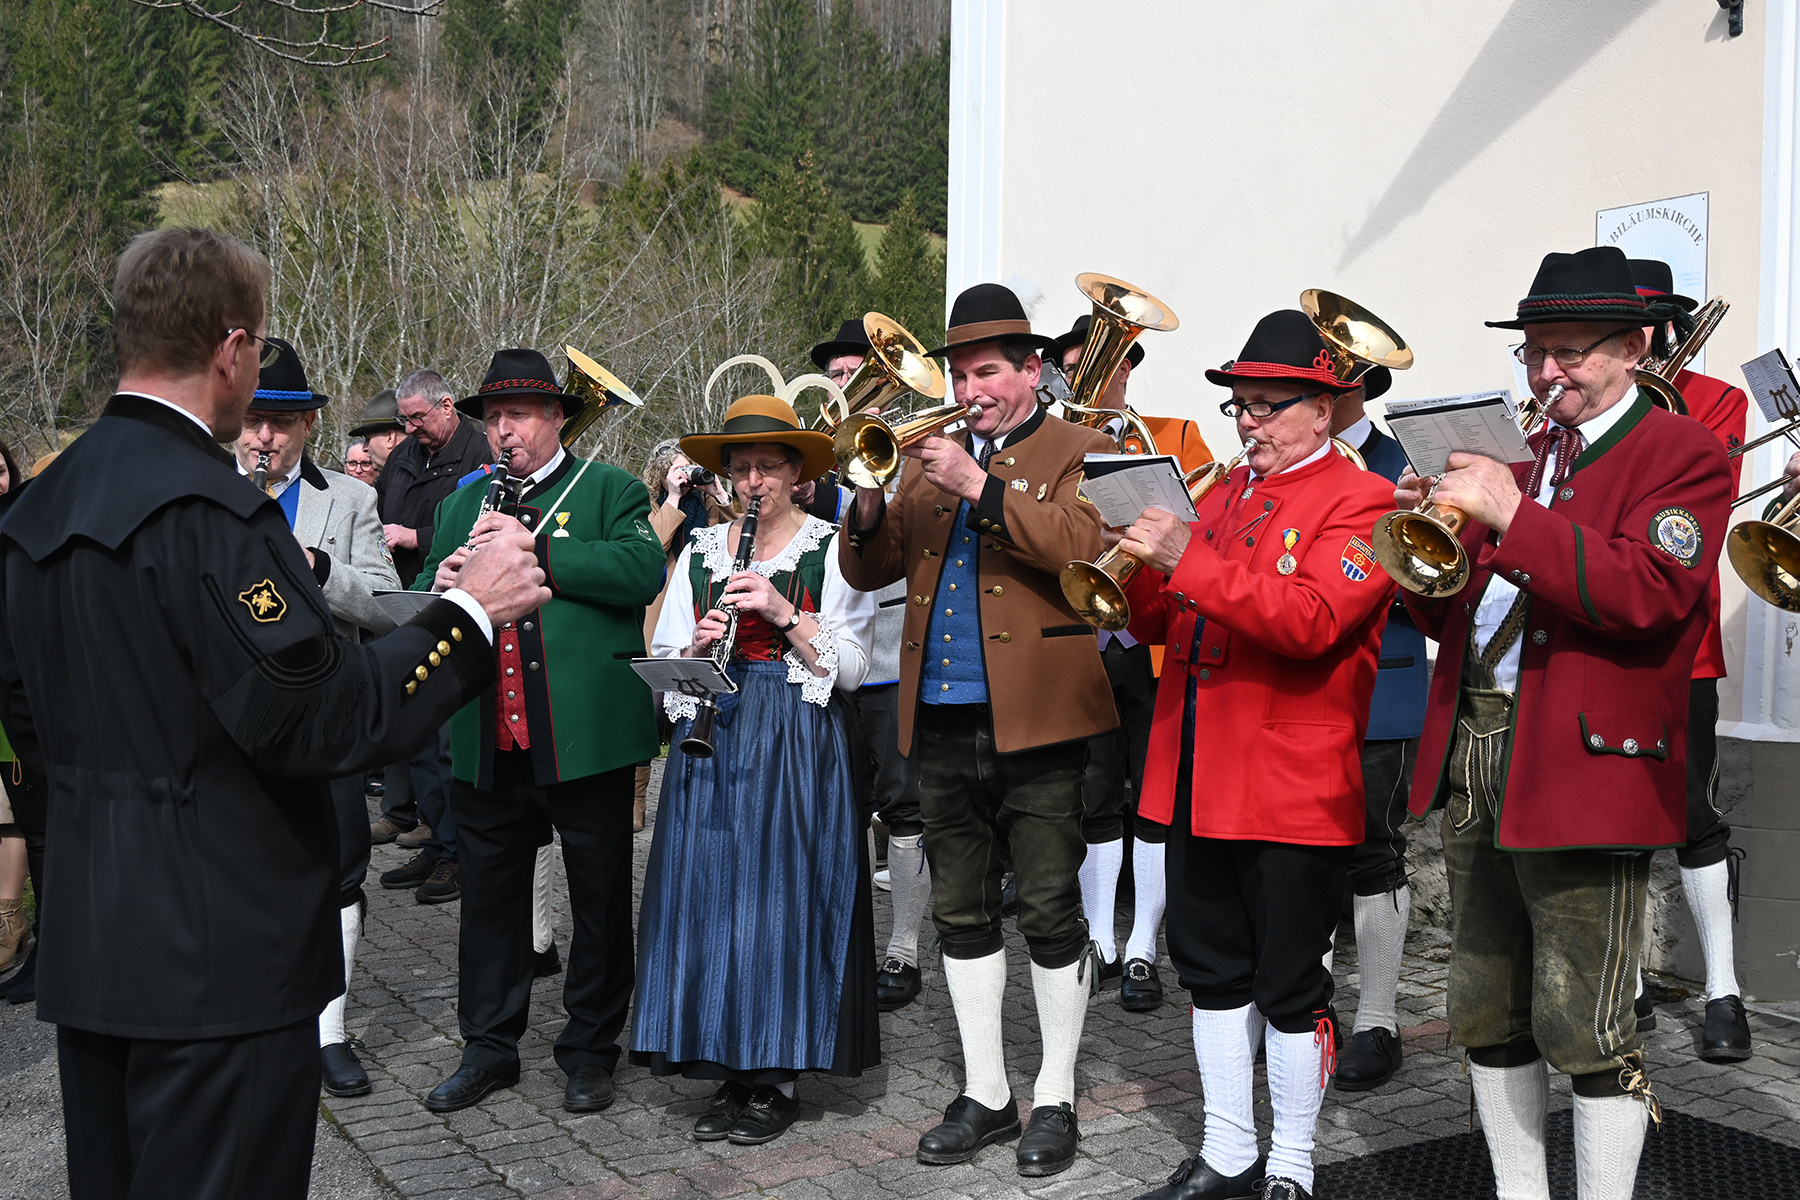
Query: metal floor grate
point(1689, 1159)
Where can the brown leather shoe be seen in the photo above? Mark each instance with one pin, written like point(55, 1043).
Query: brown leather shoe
point(414, 838)
point(640, 789)
point(15, 931)
point(384, 830)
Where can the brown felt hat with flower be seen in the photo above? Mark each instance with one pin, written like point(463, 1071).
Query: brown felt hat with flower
point(757, 419)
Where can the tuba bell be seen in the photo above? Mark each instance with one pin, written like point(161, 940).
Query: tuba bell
point(1121, 313)
point(599, 387)
point(896, 365)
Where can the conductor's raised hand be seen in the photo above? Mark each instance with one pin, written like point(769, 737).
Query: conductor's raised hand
point(1157, 539)
point(950, 467)
point(504, 577)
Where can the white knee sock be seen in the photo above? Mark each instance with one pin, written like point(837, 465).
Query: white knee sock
point(1380, 939)
point(976, 988)
point(1149, 870)
point(1062, 1000)
point(1296, 1089)
point(1512, 1102)
point(1099, 893)
point(1225, 1048)
point(540, 899)
point(1708, 899)
point(911, 877)
point(1609, 1137)
point(331, 1020)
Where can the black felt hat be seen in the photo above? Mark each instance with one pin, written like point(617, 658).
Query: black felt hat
point(988, 312)
point(1376, 381)
point(282, 386)
point(379, 416)
point(851, 338)
point(520, 373)
point(1284, 345)
point(1589, 285)
point(1077, 336)
point(1655, 281)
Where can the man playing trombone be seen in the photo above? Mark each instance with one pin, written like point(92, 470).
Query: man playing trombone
point(1556, 735)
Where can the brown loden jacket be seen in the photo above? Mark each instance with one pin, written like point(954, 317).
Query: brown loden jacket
point(1045, 680)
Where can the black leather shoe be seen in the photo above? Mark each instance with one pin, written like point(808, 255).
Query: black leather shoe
point(1369, 1061)
point(466, 1087)
point(722, 1113)
point(968, 1125)
point(1141, 990)
point(1727, 1034)
point(339, 1072)
point(443, 885)
point(765, 1118)
point(590, 1089)
point(546, 963)
point(1646, 1012)
point(22, 987)
point(1009, 896)
point(896, 985)
point(1194, 1180)
point(411, 874)
point(1049, 1142)
point(1280, 1187)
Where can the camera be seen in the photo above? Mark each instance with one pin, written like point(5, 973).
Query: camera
point(700, 477)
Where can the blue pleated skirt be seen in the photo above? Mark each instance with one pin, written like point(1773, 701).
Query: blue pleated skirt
point(756, 932)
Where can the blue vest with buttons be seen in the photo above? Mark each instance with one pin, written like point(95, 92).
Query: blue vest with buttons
point(954, 671)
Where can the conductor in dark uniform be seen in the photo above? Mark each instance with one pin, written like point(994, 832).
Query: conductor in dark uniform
point(184, 735)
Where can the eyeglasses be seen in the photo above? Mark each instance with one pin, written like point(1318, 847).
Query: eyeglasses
point(279, 422)
point(1565, 356)
point(1262, 410)
point(270, 351)
point(408, 423)
point(741, 470)
point(840, 375)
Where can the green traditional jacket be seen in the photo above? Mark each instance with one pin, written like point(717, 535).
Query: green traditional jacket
point(584, 709)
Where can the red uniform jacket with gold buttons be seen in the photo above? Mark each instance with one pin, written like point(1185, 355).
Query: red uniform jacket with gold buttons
point(1724, 410)
point(1616, 569)
point(1284, 663)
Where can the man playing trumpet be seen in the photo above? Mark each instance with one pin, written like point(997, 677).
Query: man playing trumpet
point(1271, 608)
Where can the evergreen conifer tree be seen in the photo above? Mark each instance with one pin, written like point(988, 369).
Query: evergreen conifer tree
point(910, 286)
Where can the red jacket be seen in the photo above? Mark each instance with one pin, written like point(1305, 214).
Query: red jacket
point(1722, 409)
point(1599, 748)
point(1284, 664)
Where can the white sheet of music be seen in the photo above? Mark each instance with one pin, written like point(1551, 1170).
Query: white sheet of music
point(1432, 429)
point(1122, 486)
point(1771, 381)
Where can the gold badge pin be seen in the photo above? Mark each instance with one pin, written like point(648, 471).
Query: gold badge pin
point(264, 602)
point(1286, 564)
point(562, 522)
point(1042, 489)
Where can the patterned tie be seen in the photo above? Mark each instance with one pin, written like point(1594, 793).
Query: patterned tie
point(1565, 444)
point(987, 453)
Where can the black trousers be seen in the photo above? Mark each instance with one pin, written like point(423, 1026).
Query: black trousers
point(1378, 864)
point(221, 1119)
point(1708, 836)
point(498, 834)
point(352, 810)
point(1119, 753)
point(894, 777)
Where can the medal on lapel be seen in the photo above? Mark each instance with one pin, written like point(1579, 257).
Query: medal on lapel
point(562, 522)
point(1287, 564)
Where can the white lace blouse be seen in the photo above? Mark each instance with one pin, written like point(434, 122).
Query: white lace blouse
point(846, 617)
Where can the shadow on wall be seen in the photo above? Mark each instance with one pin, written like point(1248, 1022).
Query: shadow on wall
point(1537, 44)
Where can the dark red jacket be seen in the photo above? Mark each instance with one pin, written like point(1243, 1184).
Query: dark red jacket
point(1599, 747)
point(1724, 410)
point(1285, 663)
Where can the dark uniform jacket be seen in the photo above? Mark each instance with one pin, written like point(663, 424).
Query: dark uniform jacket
point(169, 667)
point(414, 482)
point(1398, 710)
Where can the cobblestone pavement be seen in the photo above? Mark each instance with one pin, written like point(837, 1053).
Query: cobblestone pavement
point(1138, 1106)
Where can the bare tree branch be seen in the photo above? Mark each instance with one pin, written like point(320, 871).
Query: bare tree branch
point(322, 51)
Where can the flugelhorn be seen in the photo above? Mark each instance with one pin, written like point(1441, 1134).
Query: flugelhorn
point(1420, 547)
point(1121, 313)
point(1656, 374)
point(598, 386)
point(1096, 590)
point(869, 446)
point(896, 365)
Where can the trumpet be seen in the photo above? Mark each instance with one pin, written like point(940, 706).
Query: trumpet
point(1420, 547)
point(602, 390)
point(1096, 590)
point(1121, 313)
point(260, 477)
point(699, 741)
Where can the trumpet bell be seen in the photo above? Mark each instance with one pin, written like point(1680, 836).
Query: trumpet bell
point(1096, 595)
point(1356, 338)
point(1421, 553)
point(895, 366)
point(1766, 557)
point(868, 446)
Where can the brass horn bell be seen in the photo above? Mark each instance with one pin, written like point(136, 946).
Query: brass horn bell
point(1121, 313)
point(599, 387)
point(896, 365)
point(1766, 556)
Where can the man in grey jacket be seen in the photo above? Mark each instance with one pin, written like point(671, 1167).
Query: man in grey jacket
point(334, 519)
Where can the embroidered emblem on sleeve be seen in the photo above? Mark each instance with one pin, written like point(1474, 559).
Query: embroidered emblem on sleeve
point(264, 602)
point(1357, 560)
point(1678, 532)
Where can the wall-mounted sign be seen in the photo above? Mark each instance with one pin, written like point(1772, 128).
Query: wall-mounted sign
point(1673, 230)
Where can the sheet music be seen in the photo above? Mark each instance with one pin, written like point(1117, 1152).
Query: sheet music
point(1431, 430)
point(696, 677)
point(1122, 486)
point(1771, 381)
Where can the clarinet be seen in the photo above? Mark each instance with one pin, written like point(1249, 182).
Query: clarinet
point(698, 742)
point(260, 476)
point(499, 492)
